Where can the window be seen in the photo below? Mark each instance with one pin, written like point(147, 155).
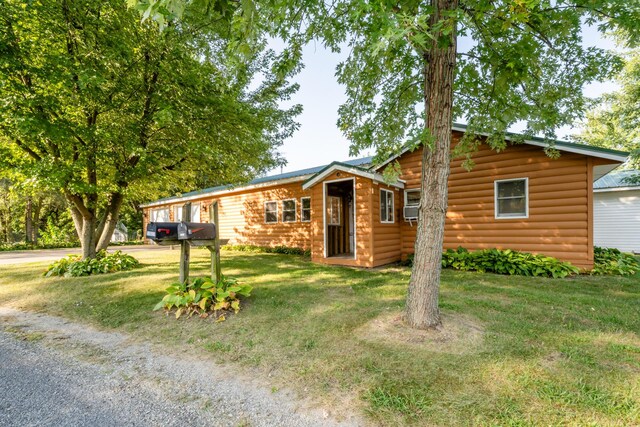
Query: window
point(334, 210)
point(386, 206)
point(412, 197)
point(305, 209)
point(160, 215)
point(270, 212)
point(289, 210)
point(511, 198)
point(177, 213)
point(195, 213)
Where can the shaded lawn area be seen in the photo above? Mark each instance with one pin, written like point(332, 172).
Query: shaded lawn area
point(563, 351)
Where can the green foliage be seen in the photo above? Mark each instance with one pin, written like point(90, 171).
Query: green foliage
point(612, 261)
point(75, 266)
point(614, 122)
point(104, 109)
point(280, 249)
point(506, 262)
point(58, 233)
point(204, 297)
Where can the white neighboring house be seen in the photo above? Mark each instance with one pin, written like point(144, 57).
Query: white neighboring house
point(616, 213)
point(120, 233)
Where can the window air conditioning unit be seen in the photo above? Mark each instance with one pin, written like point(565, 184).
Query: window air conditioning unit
point(410, 213)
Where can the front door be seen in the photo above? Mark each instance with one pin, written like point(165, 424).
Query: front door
point(339, 219)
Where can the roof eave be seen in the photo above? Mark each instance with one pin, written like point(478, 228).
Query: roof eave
point(225, 191)
point(618, 156)
point(337, 166)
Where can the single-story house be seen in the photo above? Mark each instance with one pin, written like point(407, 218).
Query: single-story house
point(346, 214)
point(616, 211)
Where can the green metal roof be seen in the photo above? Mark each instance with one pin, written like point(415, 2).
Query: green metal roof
point(589, 150)
point(558, 142)
point(618, 179)
point(262, 180)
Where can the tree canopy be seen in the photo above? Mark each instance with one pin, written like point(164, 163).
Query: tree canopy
point(101, 107)
point(614, 122)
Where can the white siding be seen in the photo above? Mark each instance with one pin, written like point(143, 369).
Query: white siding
point(616, 220)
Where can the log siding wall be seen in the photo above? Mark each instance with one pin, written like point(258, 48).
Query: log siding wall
point(560, 190)
point(560, 221)
point(242, 217)
point(387, 238)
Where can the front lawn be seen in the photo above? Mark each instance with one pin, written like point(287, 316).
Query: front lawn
point(524, 350)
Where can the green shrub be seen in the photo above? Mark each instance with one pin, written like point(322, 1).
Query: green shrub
point(612, 261)
point(59, 232)
point(75, 266)
point(204, 297)
point(285, 250)
point(505, 262)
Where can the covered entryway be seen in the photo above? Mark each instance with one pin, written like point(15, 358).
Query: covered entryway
point(344, 202)
point(339, 218)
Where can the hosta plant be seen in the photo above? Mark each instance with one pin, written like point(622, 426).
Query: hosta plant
point(75, 266)
point(204, 297)
point(613, 261)
point(507, 262)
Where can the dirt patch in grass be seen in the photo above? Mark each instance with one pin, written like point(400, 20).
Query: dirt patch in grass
point(458, 334)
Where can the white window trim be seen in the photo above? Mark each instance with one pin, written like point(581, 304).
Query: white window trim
point(199, 205)
point(526, 198)
point(154, 213)
point(177, 212)
point(411, 190)
point(295, 210)
point(302, 209)
point(393, 207)
point(265, 212)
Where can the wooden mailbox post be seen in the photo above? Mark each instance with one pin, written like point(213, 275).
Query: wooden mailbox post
point(185, 245)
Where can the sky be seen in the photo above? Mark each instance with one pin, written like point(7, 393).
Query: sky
point(318, 140)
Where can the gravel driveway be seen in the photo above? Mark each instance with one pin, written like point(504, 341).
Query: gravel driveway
point(23, 257)
point(57, 373)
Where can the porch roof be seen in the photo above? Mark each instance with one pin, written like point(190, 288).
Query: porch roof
point(354, 170)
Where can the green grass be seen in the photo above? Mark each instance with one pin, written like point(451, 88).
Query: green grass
point(563, 351)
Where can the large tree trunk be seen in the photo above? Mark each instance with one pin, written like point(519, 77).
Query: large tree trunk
point(110, 220)
point(94, 235)
point(87, 238)
point(422, 301)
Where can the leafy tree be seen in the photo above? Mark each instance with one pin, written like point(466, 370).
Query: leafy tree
point(615, 121)
point(413, 66)
point(99, 107)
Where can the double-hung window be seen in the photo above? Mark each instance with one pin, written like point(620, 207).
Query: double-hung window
point(195, 213)
point(270, 212)
point(160, 215)
point(305, 209)
point(386, 206)
point(412, 197)
point(177, 213)
point(289, 210)
point(511, 198)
